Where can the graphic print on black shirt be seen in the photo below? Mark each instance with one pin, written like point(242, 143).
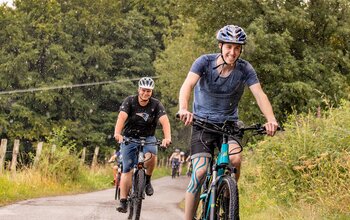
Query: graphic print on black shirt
point(142, 120)
point(144, 115)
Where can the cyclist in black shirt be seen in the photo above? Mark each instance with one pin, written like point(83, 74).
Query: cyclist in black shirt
point(138, 117)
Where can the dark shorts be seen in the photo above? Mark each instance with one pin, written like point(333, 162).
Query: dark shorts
point(175, 163)
point(129, 152)
point(203, 142)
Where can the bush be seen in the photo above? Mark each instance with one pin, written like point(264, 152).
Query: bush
point(310, 161)
point(63, 164)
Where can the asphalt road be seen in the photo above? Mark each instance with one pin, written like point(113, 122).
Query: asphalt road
point(101, 205)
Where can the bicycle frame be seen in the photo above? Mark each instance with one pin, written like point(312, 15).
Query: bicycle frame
point(218, 169)
point(139, 166)
point(138, 180)
point(221, 169)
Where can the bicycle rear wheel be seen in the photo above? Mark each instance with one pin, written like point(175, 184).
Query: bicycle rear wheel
point(226, 201)
point(173, 172)
point(139, 182)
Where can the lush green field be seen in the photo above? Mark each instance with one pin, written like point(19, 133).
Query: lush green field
point(302, 173)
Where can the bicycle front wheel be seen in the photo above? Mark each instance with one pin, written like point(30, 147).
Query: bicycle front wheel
point(117, 188)
point(226, 201)
point(139, 182)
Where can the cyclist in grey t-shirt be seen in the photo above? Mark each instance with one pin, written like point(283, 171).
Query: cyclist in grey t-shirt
point(218, 81)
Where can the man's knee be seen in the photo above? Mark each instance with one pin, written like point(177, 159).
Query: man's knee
point(150, 156)
point(236, 160)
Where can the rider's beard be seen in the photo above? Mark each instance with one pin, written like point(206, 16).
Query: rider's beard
point(143, 100)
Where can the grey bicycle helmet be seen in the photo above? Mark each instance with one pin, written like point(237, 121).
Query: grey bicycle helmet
point(231, 34)
point(146, 83)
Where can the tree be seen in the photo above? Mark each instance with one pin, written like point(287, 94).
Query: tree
point(54, 43)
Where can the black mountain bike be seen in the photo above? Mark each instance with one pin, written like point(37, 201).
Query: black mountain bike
point(219, 197)
point(137, 193)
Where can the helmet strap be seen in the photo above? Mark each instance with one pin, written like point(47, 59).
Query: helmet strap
point(221, 64)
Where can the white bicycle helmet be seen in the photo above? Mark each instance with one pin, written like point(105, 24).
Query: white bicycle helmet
point(146, 83)
point(232, 34)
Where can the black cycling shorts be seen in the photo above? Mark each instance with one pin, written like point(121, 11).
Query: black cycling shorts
point(204, 142)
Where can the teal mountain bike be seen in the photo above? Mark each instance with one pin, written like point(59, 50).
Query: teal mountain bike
point(219, 198)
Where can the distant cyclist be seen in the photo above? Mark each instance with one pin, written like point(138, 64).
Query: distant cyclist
point(138, 117)
point(116, 158)
point(175, 160)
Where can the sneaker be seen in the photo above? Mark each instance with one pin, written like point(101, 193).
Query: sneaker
point(149, 189)
point(123, 206)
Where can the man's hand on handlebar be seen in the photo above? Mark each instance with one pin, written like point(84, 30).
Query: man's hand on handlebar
point(118, 138)
point(185, 116)
point(166, 142)
point(271, 128)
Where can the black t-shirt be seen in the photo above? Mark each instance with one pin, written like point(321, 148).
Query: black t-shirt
point(142, 120)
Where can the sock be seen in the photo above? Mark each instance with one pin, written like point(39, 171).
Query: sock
point(148, 178)
point(123, 200)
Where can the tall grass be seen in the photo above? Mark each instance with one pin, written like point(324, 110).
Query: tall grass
point(306, 167)
point(56, 173)
point(30, 183)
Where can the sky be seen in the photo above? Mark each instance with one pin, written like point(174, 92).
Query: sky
point(9, 2)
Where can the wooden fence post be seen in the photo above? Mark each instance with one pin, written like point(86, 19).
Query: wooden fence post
point(15, 152)
point(38, 153)
point(82, 159)
point(3, 149)
point(94, 159)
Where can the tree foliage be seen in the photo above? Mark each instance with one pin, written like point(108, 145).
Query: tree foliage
point(300, 49)
point(55, 43)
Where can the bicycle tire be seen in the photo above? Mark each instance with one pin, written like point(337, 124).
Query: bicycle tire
point(117, 187)
point(117, 192)
point(131, 209)
point(138, 193)
point(227, 199)
point(173, 172)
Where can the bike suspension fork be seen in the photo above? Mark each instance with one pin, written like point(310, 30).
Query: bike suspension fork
point(213, 193)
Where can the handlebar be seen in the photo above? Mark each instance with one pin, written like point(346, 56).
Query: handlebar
point(142, 141)
point(229, 128)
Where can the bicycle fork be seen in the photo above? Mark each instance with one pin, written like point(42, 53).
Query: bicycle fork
point(218, 170)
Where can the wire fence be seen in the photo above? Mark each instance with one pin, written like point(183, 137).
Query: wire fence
point(14, 159)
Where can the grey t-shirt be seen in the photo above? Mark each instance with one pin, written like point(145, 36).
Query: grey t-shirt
point(218, 101)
